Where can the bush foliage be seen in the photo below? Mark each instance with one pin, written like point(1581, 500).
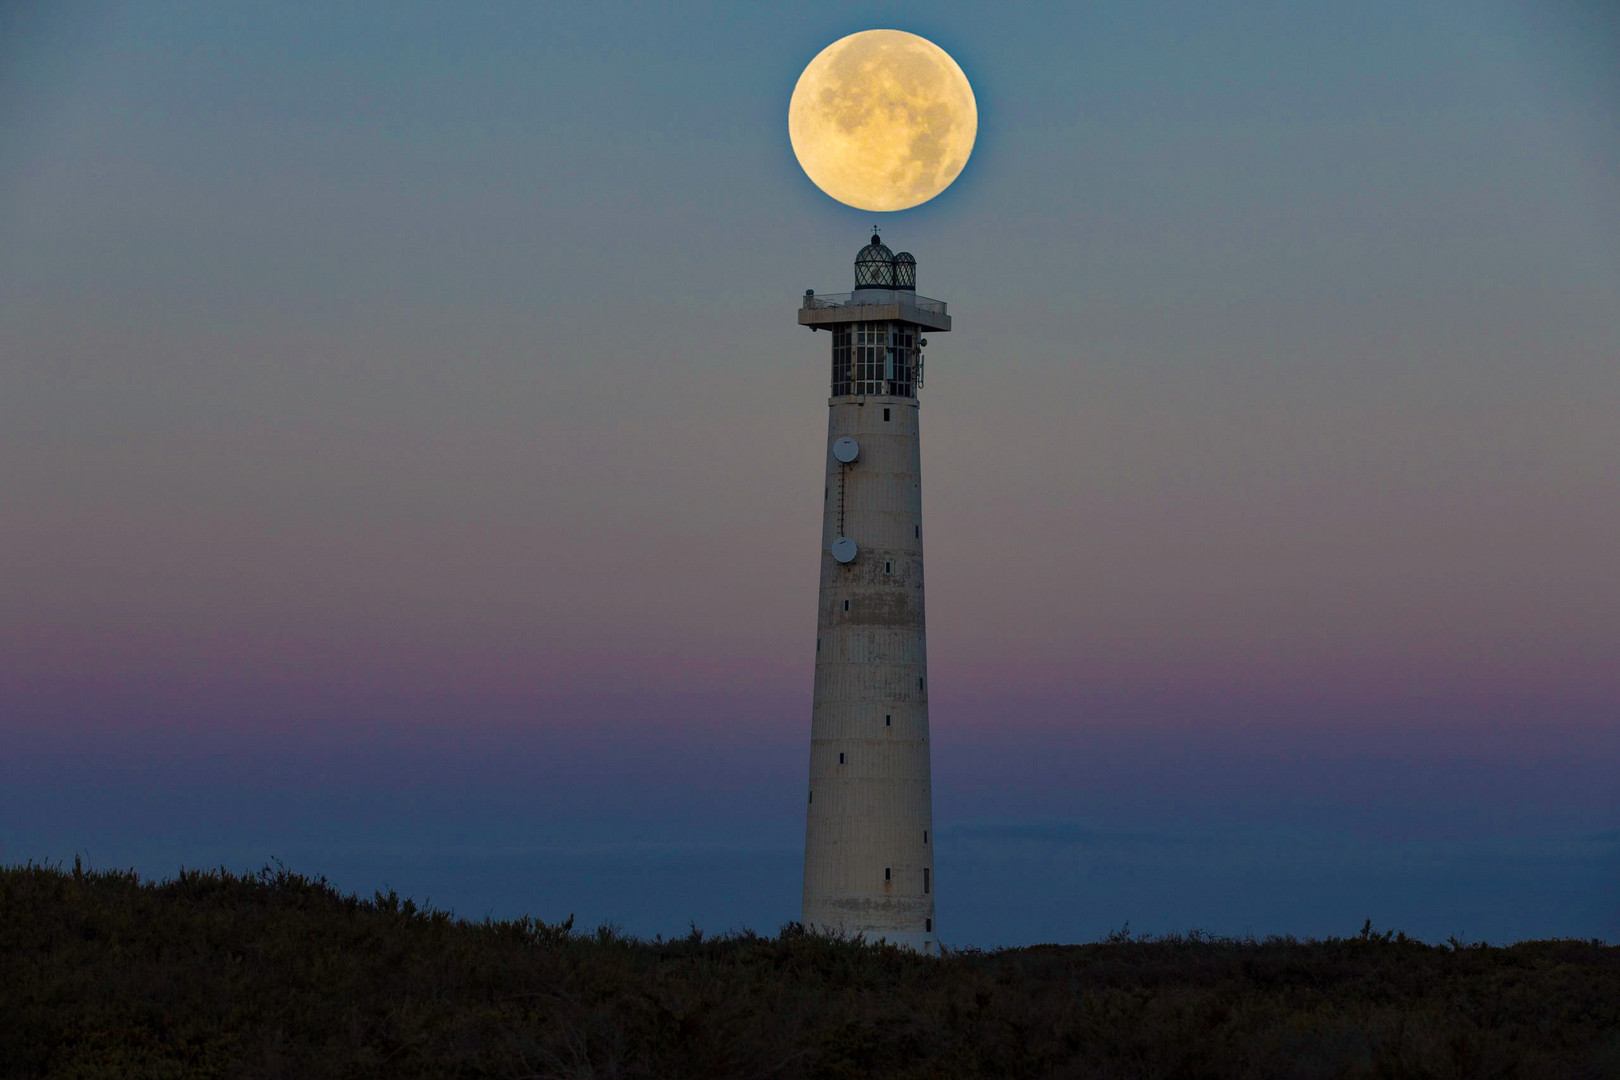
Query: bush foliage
point(277, 975)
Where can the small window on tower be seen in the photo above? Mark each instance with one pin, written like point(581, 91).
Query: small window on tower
point(925, 836)
point(919, 531)
point(812, 796)
point(885, 414)
point(925, 879)
point(928, 925)
point(840, 759)
point(888, 873)
point(846, 605)
point(888, 720)
point(888, 567)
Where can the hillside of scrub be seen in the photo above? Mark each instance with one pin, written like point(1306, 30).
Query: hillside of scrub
point(274, 974)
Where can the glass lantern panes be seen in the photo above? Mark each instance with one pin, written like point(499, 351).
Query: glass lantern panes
point(874, 266)
point(905, 271)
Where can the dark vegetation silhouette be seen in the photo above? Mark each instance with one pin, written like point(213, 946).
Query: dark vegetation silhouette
point(277, 975)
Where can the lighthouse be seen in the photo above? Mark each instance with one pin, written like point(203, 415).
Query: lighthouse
point(869, 844)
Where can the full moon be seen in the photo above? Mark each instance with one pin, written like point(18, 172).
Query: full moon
point(883, 120)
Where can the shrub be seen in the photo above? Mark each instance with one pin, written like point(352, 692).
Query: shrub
point(273, 974)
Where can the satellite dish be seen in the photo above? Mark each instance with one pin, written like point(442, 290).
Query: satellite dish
point(843, 549)
point(846, 449)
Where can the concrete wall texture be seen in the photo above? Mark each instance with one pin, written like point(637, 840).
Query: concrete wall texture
point(868, 853)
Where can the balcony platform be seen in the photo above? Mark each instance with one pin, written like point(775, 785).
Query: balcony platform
point(873, 305)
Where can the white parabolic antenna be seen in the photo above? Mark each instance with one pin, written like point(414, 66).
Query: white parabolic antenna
point(843, 549)
point(846, 449)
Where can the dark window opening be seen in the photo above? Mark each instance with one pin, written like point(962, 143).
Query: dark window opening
point(812, 796)
point(840, 759)
point(888, 720)
point(925, 836)
point(885, 414)
point(846, 605)
point(887, 873)
point(928, 925)
point(888, 567)
point(919, 682)
point(875, 358)
point(919, 531)
point(840, 361)
point(925, 880)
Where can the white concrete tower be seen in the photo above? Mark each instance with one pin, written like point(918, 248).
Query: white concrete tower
point(868, 849)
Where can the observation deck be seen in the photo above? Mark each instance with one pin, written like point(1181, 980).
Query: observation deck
point(873, 305)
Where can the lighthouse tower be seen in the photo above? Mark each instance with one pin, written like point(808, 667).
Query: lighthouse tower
point(868, 850)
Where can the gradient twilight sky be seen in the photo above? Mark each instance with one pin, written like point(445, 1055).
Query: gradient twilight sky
point(409, 457)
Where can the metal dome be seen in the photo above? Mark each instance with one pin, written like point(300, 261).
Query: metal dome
point(874, 266)
point(905, 271)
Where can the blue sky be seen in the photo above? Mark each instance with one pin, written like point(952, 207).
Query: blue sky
point(412, 462)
